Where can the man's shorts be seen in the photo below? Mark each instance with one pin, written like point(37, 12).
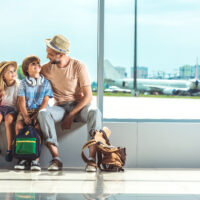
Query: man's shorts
point(4, 110)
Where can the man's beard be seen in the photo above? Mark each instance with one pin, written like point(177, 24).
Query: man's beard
point(55, 62)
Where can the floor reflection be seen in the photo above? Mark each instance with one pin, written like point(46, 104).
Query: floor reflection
point(48, 196)
point(133, 184)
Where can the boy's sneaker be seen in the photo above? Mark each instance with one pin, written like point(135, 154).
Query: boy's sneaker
point(22, 164)
point(55, 165)
point(9, 155)
point(35, 165)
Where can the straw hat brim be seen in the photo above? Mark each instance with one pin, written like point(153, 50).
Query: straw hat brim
point(47, 41)
point(8, 63)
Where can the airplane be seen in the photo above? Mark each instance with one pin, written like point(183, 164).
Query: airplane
point(168, 87)
point(162, 86)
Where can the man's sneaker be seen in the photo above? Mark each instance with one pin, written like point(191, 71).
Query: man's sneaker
point(55, 165)
point(90, 168)
point(22, 164)
point(35, 165)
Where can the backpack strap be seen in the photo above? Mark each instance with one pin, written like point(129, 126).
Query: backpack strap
point(85, 159)
point(105, 136)
point(107, 148)
point(99, 157)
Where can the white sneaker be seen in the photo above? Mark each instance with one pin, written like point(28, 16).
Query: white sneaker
point(22, 165)
point(90, 168)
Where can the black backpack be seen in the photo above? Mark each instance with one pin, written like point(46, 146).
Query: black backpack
point(27, 144)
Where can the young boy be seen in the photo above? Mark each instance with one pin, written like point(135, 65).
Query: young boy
point(33, 95)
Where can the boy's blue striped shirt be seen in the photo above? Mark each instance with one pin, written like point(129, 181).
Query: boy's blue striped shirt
point(34, 95)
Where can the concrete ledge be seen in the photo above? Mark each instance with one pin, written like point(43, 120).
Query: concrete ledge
point(70, 144)
point(148, 144)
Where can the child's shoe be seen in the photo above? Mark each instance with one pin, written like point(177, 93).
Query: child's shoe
point(22, 164)
point(35, 165)
point(9, 155)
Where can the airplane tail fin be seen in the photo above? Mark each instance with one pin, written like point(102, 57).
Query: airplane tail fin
point(110, 72)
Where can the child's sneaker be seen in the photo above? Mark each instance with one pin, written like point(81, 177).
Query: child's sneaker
point(35, 165)
point(9, 155)
point(22, 164)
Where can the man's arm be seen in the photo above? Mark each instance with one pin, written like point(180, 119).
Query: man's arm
point(87, 98)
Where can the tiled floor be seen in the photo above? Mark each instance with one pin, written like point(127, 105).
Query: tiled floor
point(136, 184)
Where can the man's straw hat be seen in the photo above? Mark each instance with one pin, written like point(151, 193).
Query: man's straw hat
point(59, 43)
point(6, 63)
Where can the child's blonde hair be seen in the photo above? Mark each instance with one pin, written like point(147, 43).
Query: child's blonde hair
point(3, 68)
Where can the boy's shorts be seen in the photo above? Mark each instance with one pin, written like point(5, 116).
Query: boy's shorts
point(30, 114)
point(4, 110)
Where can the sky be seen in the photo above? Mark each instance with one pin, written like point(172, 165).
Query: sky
point(168, 31)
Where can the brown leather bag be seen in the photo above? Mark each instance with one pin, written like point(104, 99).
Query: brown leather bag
point(110, 158)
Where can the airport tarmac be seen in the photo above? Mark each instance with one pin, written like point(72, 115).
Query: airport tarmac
point(150, 108)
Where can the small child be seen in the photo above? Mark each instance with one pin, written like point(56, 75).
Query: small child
point(33, 95)
point(8, 101)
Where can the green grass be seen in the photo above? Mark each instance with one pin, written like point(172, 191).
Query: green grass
point(120, 94)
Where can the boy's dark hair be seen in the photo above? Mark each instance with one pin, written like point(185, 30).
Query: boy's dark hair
point(27, 61)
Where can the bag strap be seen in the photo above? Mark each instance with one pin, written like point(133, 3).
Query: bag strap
point(105, 136)
point(106, 148)
point(99, 157)
point(85, 159)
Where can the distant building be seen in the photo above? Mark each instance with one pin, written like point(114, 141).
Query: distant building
point(158, 75)
point(142, 72)
point(189, 72)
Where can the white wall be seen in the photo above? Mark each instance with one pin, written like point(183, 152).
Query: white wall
point(149, 144)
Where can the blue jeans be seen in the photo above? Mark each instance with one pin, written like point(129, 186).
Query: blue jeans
point(51, 115)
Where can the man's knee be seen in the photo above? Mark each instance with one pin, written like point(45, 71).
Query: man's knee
point(94, 114)
point(42, 114)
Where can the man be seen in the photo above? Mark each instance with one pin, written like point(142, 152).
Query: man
point(73, 95)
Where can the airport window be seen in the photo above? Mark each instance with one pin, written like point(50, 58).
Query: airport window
point(26, 24)
point(168, 69)
point(168, 57)
point(118, 45)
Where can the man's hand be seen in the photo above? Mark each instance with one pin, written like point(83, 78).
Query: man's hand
point(27, 120)
point(67, 121)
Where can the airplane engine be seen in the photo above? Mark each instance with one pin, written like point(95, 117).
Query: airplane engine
point(170, 91)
